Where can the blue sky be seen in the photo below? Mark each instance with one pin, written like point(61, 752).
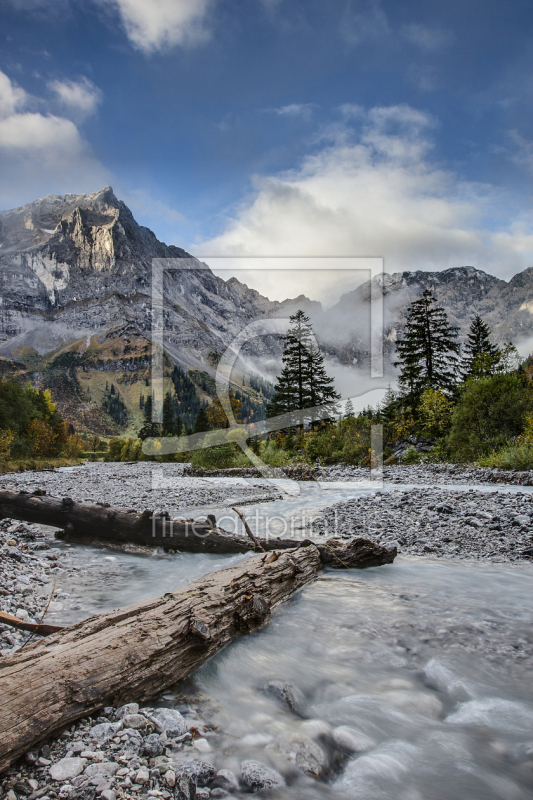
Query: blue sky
point(282, 127)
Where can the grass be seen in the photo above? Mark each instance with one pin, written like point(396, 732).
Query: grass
point(25, 464)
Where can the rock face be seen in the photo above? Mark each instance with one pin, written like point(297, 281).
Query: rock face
point(79, 265)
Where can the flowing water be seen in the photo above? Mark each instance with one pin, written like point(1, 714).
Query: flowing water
point(423, 666)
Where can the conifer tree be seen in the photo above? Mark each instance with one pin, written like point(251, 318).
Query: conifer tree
point(303, 382)
point(481, 358)
point(168, 415)
point(428, 351)
point(149, 428)
point(349, 410)
point(201, 423)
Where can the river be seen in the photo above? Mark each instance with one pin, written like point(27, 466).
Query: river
point(424, 663)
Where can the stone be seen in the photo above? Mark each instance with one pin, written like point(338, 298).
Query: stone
point(185, 788)
point(202, 745)
point(286, 693)
point(171, 720)
point(142, 776)
point(305, 754)
point(202, 794)
point(67, 768)
point(105, 730)
point(105, 768)
point(226, 779)
point(129, 708)
point(258, 777)
point(152, 746)
point(351, 740)
point(200, 771)
point(109, 794)
point(170, 778)
point(135, 721)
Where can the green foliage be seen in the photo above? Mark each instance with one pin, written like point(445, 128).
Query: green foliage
point(516, 456)
point(411, 456)
point(114, 406)
point(29, 414)
point(303, 382)
point(427, 353)
point(480, 357)
point(490, 413)
point(435, 413)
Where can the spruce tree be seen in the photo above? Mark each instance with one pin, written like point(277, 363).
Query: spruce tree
point(481, 357)
point(149, 428)
point(168, 416)
point(349, 410)
point(201, 423)
point(428, 351)
point(303, 382)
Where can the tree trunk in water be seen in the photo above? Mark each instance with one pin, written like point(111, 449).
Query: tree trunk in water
point(94, 524)
point(139, 650)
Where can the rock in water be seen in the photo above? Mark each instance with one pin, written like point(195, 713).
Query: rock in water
point(201, 772)
point(260, 778)
point(185, 788)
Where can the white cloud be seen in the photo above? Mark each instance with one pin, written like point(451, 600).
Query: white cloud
point(373, 189)
point(78, 97)
point(162, 24)
point(11, 96)
point(41, 153)
point(304, 110)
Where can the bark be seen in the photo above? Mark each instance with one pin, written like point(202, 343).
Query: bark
point(139, 650)
point(94, 524)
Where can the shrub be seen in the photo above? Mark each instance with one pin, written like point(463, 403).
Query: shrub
point(517, 456)
point(490, 413)
point(411, 456)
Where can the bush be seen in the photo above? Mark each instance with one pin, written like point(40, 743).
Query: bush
point(518, 456)
point(490, 413)
point(411, 456)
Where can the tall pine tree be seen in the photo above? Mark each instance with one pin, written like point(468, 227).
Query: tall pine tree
point(481, 358)
point(428, 351)
point(168, 415)
point(303, 382)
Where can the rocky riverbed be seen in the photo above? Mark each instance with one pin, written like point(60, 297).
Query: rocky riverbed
point(140, 485)
point(436, 521)
point(365, 679)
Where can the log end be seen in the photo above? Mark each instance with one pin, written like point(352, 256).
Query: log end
point(357, 553)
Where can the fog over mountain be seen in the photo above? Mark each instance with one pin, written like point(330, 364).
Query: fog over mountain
point(76, 272)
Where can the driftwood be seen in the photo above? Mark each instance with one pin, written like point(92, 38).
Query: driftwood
point(141, 649)
point(95, 524)
point(35, 627)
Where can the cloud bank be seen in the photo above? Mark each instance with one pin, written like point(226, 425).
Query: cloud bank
point(371, 188)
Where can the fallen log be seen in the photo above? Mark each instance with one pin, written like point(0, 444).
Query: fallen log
point(141, 649)
point(96, 524)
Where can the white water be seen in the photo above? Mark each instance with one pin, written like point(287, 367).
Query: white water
point(429, 658)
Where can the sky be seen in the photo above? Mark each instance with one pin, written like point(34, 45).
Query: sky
point(282, 128)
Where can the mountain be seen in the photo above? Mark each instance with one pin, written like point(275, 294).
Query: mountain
point(507, 307)
point(76, 308)
point(76, 299)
